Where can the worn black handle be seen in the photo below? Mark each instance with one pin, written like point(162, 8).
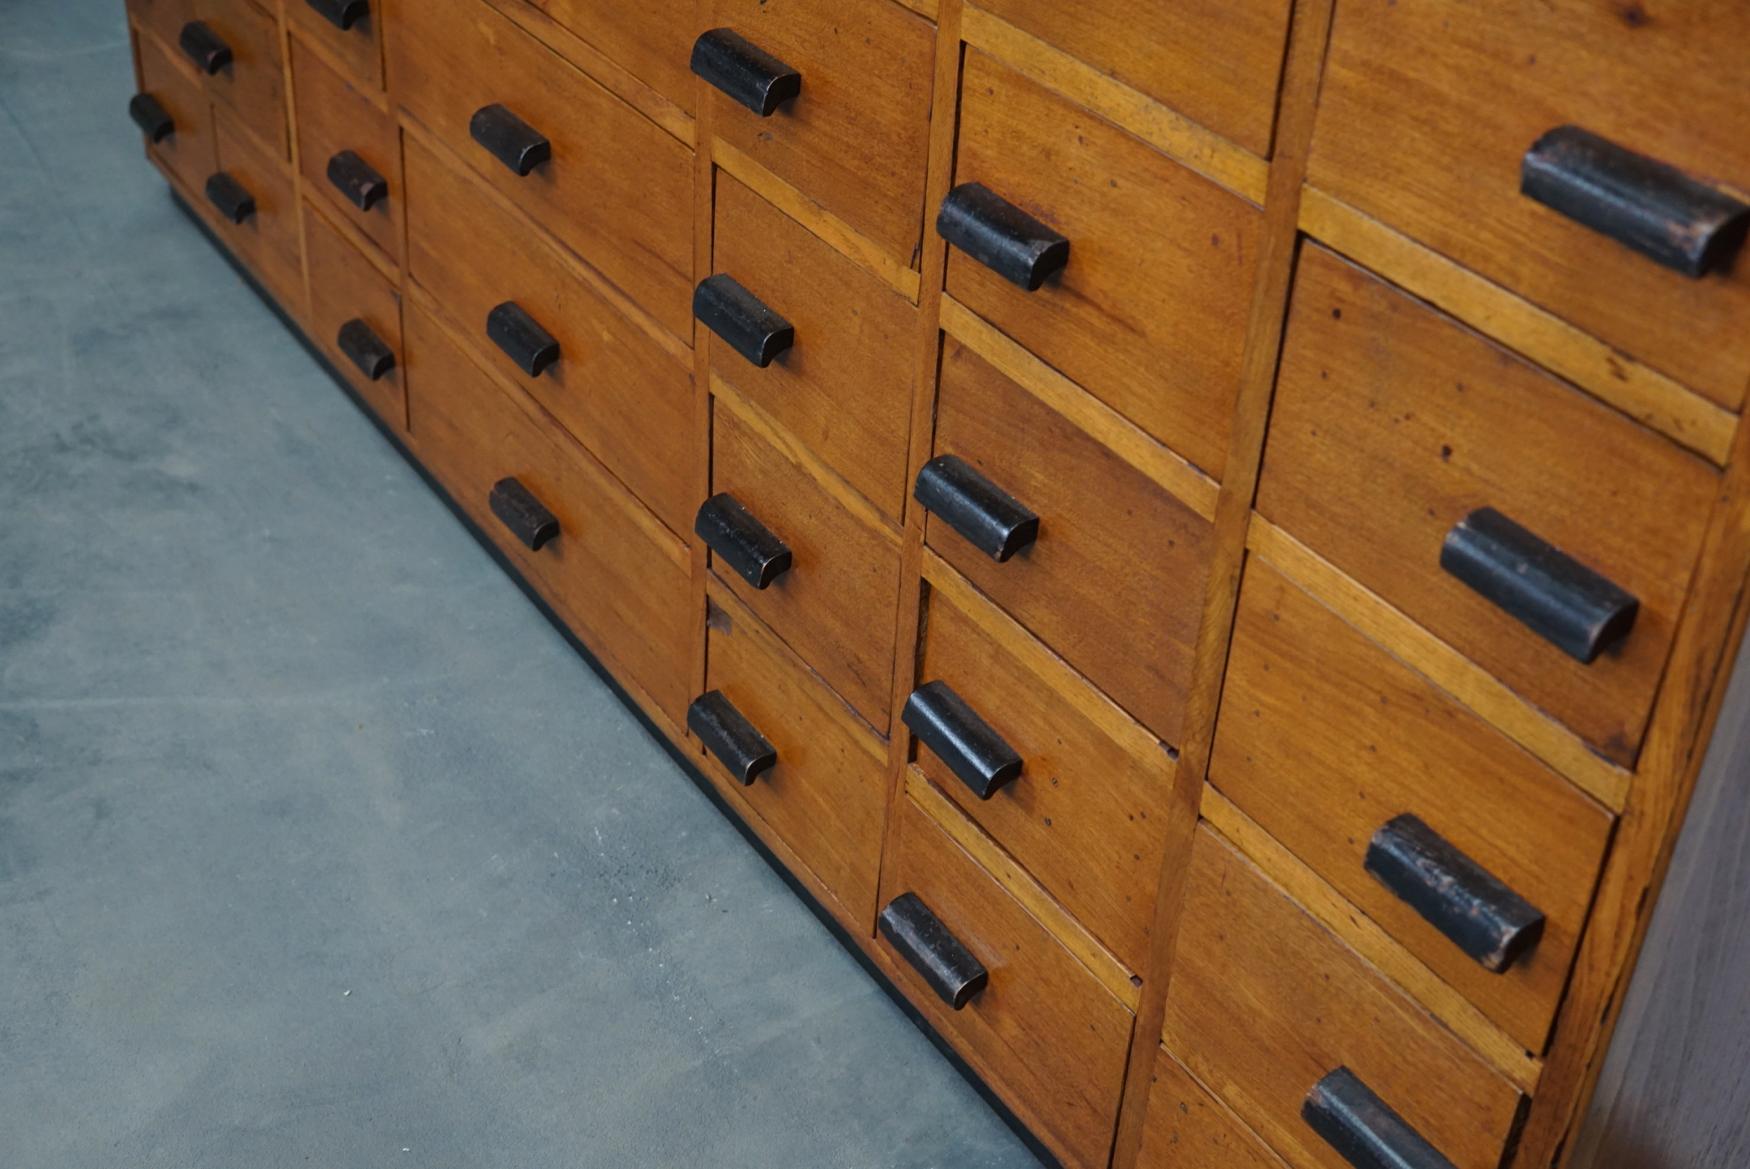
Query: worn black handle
point(204, 47)
point(927, 946)
point(727, 734)
point(744, 71)
point(342, 14)
point(740, 541)
point(1001, 236)
point(739, 317)
point(970, 747)
point(522, 338)
point(527, 517)
point(1363, 1128)
point(509, 139)
point(231, 198)
point(365, 349)
point(991, 520)
point(1638, 201)
point(152, 118)
point(357, 180)
point(1454, 894)
point(1552, 594)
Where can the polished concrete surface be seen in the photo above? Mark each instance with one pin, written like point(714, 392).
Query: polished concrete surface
point(318, 845)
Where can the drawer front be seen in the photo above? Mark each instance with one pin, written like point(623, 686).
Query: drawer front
point(1149, 314)
point(1049, 1036)
point(1216, 61)
point(1427, 111)
point(188, 152)
point(1392, 424)
point(268, 239)
point(1186, 1128)
point(345, 288)
point(449, 59)
point(834, 606)
point(1115, 580)
point(867, 70)
point(163, 18)
point(358, 48)
point(614, 573)
point(1325, 738)
point(1265, 1003)
point(1087, 815)
point(651, 39)
point(619, 392)
point(851, 330)
point(334, 116)
point(826, 795)
point(254, 84)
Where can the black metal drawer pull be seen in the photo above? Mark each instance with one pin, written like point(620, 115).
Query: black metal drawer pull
point(991, 520)
point(522, 338)
point(153, 119)
point(355, 178)
point(1363, 1128)
point(1454, 894)
point(365, 349)
point(204, 48)
point(945, 724)
point(527, 517)
point(509, 139)
point(744, 71)
point(342, 14)
point(1551, 593)
point(728, 735)
point(739, 317)
point(740, 541)
point(1001, 236)
point(230, 197)
point(1638, 201)
point(927, 946)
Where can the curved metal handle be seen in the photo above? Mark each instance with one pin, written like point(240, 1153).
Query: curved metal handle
point(1001, 236)
point(509, 139)
point(722, 305)
point(365, 349)
point(522, 338)
point(232, 199)
point(152, 118)
point(342, 14)
point(1637, 201)
point(357, 180)
point(971, 747)
point(527, 517)
point(740, 541)
point(728, 735)
point(1363, 1128)
point(744, 71)
point(991, 520)
point(937, 955)
point(204, 47)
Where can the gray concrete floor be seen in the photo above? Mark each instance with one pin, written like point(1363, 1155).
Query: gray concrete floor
point(318, 846)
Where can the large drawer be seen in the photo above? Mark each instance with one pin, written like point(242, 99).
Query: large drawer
point(358, 47)
point(355, 317)
point(1392, 424)
point(188, 152)
point(267, 237)
point(338, 123)
point(650, 39)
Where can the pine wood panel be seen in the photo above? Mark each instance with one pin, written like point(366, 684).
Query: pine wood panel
point(335, 115)
point(345, 286)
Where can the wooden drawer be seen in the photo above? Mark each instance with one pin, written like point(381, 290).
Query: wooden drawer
point(617, 576)
point(1044, 1032)
point(1187, 1128)
point(867, 69)
point(254, 84)
point(450, 59)
point(1087, 816)
point(835, 605)
point(188, 152)
point(826, 796)
point(1149, 315)
point(651, 39)
point(1324, 738)
point(621, 393)
point(1428, 109)
point(852, 329)
point(345, 288)
point(164, 19)
point(358, 48)
point(1265, 1003)
point(1216, 61)
point(1392, 423)
point(334, 117)
point(1126, 620)
point(268, 239)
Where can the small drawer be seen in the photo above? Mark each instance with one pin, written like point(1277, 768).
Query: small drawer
point(355, 316)
point(834, 599)
point(1086, 810)
point(866, 69)
point(349, 149)
point(507, 105)
point(1186, 1128)
point(164, 19)
point(850, 329)
point(188, 151)
point(607, 566)
point(1429, 132)
point(1114, 579)
point(1392, 425)
point(253, 84)
point(1265, 1004)
point(350, 30)
point(1325, 740)
point(1039, 1026)
point(1149, 312)
point(267, 237)
point(825, 792)
point(620, 393)
point(1218, 62)
point(650, 39)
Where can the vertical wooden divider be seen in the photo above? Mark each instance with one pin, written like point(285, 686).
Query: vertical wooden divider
point(283, 31)
point(704, 205)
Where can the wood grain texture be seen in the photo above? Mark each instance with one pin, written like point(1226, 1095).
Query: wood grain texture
point(651, 39)
point(358, 50)
point(334, 115)
point(345, 286)
point(269, 239)
point(1190, 1129)
point(190, 153)
point(253, 85)
point(163, 18)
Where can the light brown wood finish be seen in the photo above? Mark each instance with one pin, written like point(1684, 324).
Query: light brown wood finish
point(1190, 1129)
point(268, 239)
point(344, 286)
point(190, 152)
point(652, 39)
point(334, 115)
point(358, 49)
point(164, 19)
point(253, 84)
